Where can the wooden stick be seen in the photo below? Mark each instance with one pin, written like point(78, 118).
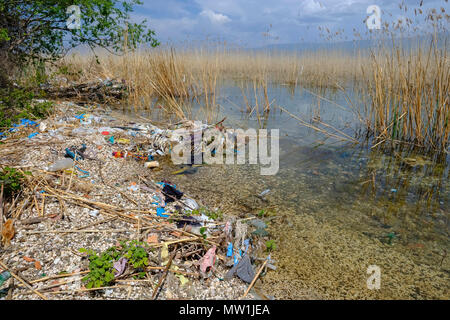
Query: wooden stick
point(36, 204)
point(161, 280)
point(175, 241)
point(1, 211)
point(53, 285)
point(43, 204)
point(19, 212)
point(97, 223)
point(78, 231)
point(254, 279)
point(85, 290)
point(21, 280)
point(59, 276)
point(175, 271)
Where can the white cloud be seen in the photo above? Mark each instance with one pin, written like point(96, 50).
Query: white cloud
point(215, 17)
point(312, 7)
point(246, 20)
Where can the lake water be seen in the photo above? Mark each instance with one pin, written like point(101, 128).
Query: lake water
point(334, 208)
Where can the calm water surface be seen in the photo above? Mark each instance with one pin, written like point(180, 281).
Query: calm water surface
point(334, 207)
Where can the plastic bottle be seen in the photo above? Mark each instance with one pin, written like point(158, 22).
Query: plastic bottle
point(62, 164)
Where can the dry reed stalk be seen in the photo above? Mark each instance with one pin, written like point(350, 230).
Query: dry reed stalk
point(165, 272)
point(86, 290)
point(1, 209)
point(254, 279)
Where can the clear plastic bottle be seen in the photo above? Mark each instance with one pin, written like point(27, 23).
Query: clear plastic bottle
point(62, 164)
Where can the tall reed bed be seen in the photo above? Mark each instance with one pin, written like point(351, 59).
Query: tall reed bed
point(405, 91)
point(180, 75)
point(408, 93)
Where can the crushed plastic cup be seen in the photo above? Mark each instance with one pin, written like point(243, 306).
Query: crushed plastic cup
point(191, 204)
point(151, 164)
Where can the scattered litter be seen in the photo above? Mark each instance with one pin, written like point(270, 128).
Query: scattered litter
point(76, 153)
point(120, 266)
point(8, 232)
point(160, 211)
point(208, 259)
point(94, 213)
point(191, 204)
point(4, 276)
point(164, 253)
point(228, 228)
point(182, 278)
point(230, 250)
point(171, 193)
point(62, 164)
point(262, 194)
point(261, 232)
point(244, 270)
point(86, 173)
point(151, 164)
point(62, 201)
point(37, 265)
point(258, 223)
point(152, 238)
point(133, 187)
point(28, 259)
point(123, 141)
point(42, 126)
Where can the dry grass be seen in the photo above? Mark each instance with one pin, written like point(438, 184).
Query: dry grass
point(179, 76)
point(405, 91)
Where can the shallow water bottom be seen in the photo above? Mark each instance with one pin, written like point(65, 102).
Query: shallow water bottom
point(330, 226)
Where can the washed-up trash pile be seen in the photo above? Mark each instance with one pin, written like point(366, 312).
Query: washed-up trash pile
point(99, 90)
point(23, 123)
point(91, 188)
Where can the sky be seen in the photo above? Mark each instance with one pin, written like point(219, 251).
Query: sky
point(255, 23)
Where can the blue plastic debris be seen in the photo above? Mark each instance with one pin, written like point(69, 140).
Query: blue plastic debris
point(26, 123)
point(111, 139)
point(33, 135)
point(163, 184)
point(70, 154)
point(393, 190)
point(22, 123)
point(230, 250)
point(86, 173)
point(80, 117)
point(160, 211)
point(246, 243)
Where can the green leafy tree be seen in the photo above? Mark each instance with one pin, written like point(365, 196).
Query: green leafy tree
point(39, 29)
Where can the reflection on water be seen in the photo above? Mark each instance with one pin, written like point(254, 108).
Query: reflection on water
point(338, 207)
